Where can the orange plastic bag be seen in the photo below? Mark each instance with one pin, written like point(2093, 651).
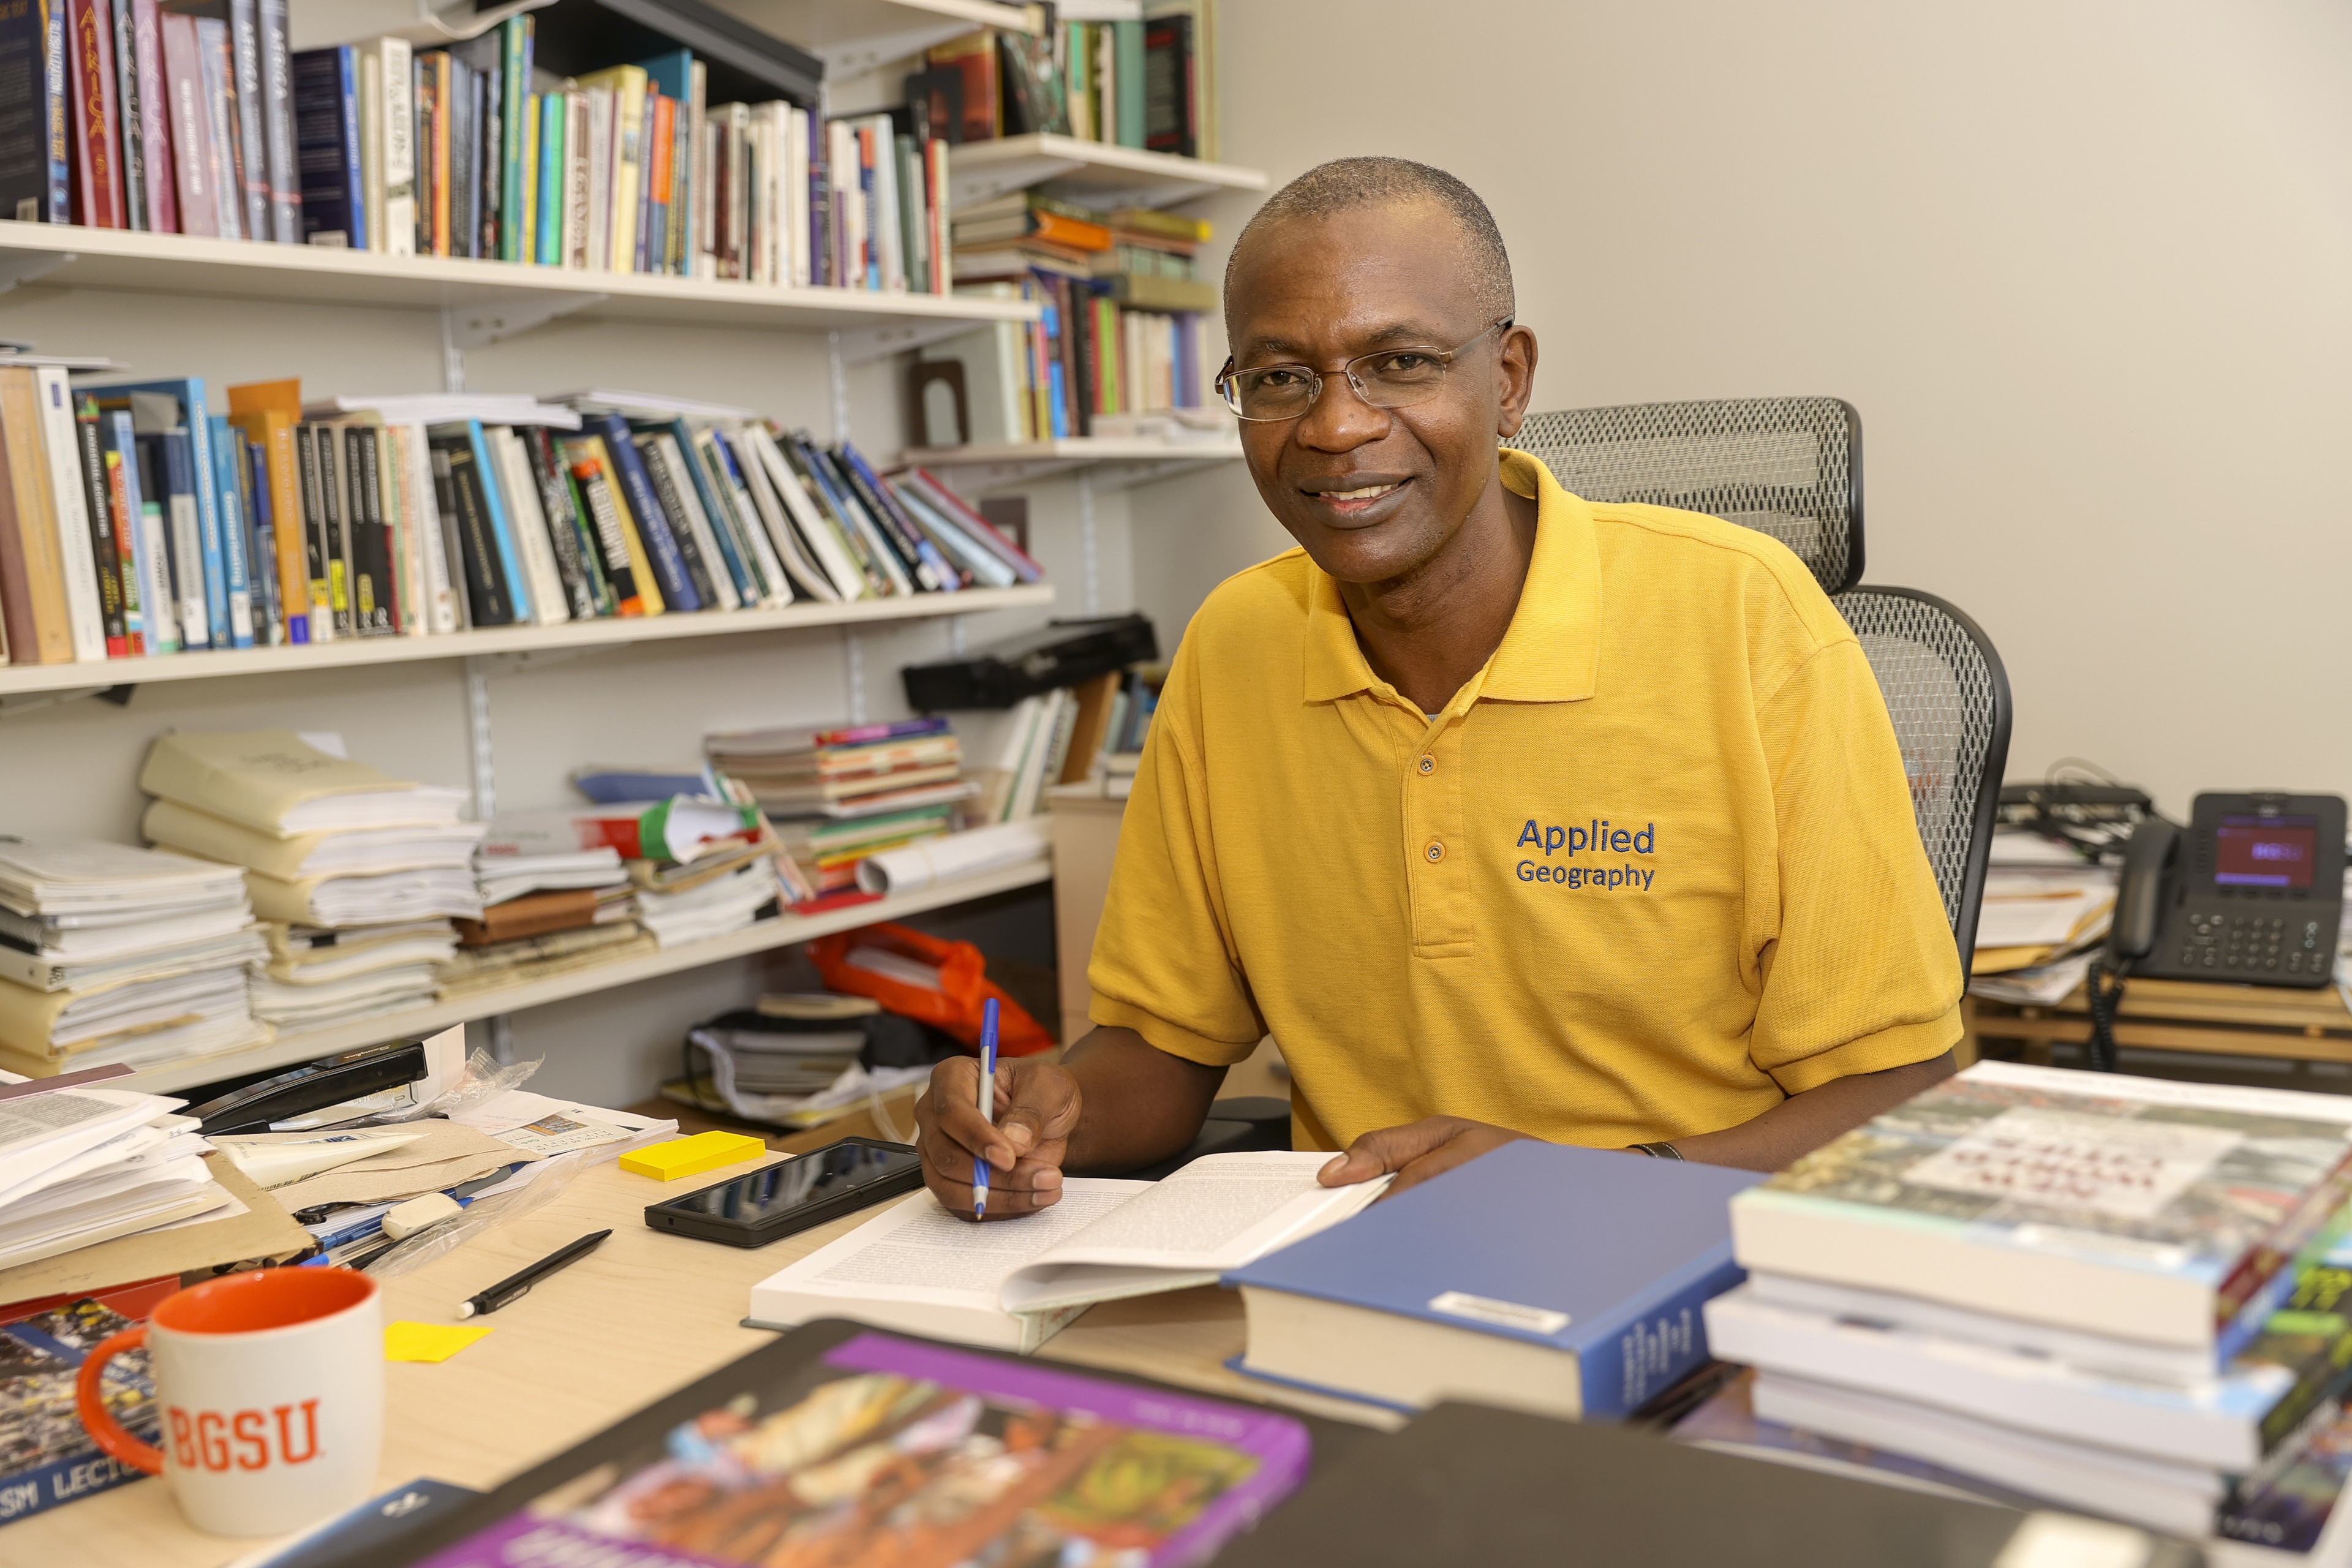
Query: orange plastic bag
point(954, 1006)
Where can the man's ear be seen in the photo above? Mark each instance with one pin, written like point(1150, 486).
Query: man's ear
point(1514, 366)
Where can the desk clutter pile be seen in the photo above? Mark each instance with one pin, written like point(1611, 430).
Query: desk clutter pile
point(109, 1197)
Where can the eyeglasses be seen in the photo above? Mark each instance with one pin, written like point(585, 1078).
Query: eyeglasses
point(1393, 378)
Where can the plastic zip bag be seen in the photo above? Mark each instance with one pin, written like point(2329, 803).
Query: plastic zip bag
point(541, 1181)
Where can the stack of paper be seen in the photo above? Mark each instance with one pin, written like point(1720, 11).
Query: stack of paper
point(336, 854)
point(2042, 914)
point(711, 907)
point(110, 953)
point(80, 1166)
point(504, 877)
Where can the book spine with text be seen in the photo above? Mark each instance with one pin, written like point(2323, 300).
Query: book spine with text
point(668, 564)
point(252, 138)
point(281, 176)
point(97, 148)
point(89, 451)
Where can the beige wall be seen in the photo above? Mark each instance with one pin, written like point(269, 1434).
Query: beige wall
point(2085, 267)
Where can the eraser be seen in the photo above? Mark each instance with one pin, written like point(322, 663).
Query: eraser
point(692, 1156)
point(408, 1218)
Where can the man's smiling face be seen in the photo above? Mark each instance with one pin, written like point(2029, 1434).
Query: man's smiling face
point(1374, 494)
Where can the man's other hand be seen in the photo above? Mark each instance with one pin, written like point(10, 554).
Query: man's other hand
point(1037, 1109)
point(1415, 1151)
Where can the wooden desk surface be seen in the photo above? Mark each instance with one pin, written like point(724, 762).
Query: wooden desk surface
point(644, 1314)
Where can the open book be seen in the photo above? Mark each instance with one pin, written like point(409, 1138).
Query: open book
point(1013, 1284)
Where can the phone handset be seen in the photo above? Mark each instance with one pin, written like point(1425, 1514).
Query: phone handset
point(2151, 859)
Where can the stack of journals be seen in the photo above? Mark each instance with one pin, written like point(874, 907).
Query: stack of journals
point(839, 794)
point(83, 1165)
point(110, 953)
point(2110, 1293)
point(357, 872)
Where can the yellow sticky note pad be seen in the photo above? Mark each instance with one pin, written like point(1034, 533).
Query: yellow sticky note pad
point(428, 1341)
point(692, 1156)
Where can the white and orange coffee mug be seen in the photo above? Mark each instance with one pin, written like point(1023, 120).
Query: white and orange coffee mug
point(271, 1388)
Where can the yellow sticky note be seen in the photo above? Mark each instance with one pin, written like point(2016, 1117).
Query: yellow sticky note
point(692, 1156)
point(428, 1341)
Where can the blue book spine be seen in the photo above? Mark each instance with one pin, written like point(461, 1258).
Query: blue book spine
point(551, 161)
point(236, 532)
point(653, 526)
point(55, 112)
point(501, 528)
point(1624, 1366)
point(354, 181)
point(747, 583)
point(947, 579)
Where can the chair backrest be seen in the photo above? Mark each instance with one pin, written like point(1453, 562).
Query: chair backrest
point(1789, 467)
point(1948, 696)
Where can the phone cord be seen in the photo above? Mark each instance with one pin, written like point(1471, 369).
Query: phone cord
point(2105, 988)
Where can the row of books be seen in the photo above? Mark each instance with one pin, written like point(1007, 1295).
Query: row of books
point(1086, 360)
point(143, 118)
point(140, 522)
point(1135, 73)
point(1142, 258)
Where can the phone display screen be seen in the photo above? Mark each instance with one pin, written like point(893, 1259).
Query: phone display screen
point(2265, 851)
point(794, 1184)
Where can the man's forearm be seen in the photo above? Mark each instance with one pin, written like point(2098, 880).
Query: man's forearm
point(1140, 1104)
point(1803, 1122)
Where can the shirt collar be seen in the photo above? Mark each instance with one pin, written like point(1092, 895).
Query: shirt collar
point(1552, 651)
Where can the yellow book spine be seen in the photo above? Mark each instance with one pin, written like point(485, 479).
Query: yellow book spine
point(641, 563)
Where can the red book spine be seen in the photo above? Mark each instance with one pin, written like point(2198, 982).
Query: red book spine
point(146, 44)
point(98, 157)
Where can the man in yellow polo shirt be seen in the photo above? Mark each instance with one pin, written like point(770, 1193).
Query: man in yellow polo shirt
point(1506, 813)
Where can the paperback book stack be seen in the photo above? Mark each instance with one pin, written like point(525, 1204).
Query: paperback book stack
point(2112, 1293)
point(699, 866)
point(110, 953)
point(839, 794)
point(357, 873)
point(542, 914)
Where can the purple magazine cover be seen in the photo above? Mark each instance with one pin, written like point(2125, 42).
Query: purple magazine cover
point(921, 1456)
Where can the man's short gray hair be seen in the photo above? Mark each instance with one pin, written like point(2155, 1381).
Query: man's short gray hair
point(1345, 183)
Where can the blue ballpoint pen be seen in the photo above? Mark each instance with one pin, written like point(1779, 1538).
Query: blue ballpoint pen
point(987, 1102)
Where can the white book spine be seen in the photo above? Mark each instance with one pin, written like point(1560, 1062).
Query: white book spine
point(440, 592)
point(413, 524)
point(796, 195)
point(848, 210)
point(85, 617)
point(600, 179)
point(398, 222)
point(759, 497)
point(887, 197)
point(162, 625)
point(752, 533)
point(371, 146)
point(830, 551)
point(697, 523)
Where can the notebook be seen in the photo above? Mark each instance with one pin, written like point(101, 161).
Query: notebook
point(1013, 1284)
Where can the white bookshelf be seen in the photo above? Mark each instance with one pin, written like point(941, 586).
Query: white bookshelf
point(1112, 463)
point(765, 935)
point(1098, 174)
point(486, 299)
point(514, 641)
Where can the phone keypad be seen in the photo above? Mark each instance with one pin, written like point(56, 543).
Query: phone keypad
point(2253, 944)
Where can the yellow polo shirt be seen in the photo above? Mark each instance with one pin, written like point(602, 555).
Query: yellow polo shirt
point(1653, 868)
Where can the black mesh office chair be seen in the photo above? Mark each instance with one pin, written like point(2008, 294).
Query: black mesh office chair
point(1791, 468)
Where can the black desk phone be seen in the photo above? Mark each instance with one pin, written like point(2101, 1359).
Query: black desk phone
point(2250, 891)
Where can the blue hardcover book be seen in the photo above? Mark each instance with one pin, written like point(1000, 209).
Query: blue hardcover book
point(235, 531)
point(1539, 1276)
point(501, 524)
point(747, 584)
point(196, 416)
point(669, 567)
point(327, 147)
point(945, 577)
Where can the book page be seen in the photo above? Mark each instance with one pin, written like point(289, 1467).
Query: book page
point(916, 1251)
point(1220, 1212)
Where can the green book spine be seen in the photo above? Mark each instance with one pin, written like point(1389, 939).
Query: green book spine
point(1127, 48)
point(517, 52)
point(552, 164)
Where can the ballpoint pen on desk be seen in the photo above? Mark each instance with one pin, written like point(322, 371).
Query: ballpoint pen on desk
point(515, 1285)
point(987, 1102)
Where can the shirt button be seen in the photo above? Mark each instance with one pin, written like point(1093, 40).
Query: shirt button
point(1428, 764)
point(1435, 851)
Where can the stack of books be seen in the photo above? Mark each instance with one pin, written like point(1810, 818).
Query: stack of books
point(2111, 1293)
point(697, 867)
point(838, 793)
point(156, 525)
point(111, 954)
point(357, 873)
point(542, 913)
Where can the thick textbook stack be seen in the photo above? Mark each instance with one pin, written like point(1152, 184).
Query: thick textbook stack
point(2114, 1293)
point(1542, 1277)
point(357, 873)
point(110, 954)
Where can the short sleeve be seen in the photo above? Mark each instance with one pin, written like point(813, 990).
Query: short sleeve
point(1861, 973)
point(1163, 959)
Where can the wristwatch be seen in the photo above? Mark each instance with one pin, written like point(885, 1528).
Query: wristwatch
point(1658, 1150)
